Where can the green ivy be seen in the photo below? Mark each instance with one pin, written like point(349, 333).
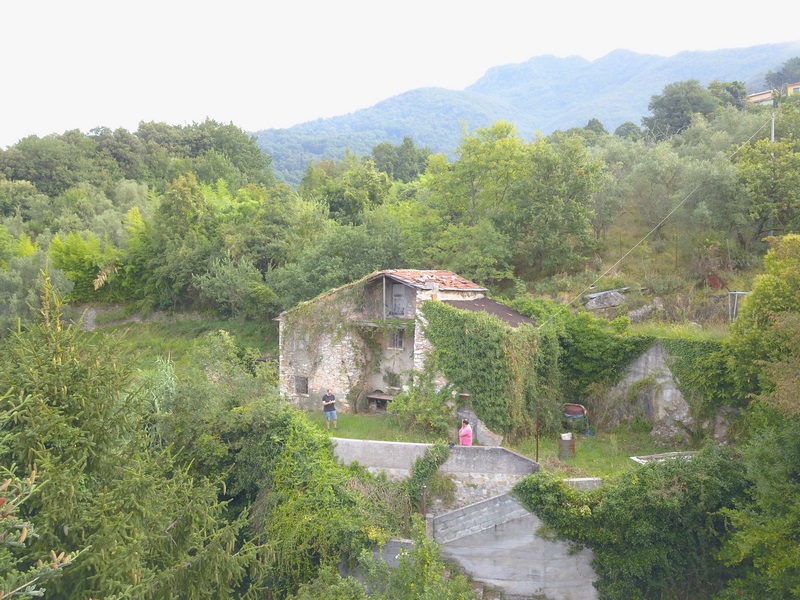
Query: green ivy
point(501, 368)
point(597, 351)
point(425, 468)
point(656, 531)
point(702, 369)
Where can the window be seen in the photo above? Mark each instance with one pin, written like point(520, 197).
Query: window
point(301, 384)
point(398, 336)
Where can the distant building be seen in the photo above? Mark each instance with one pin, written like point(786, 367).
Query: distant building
point(767, 96)
point(764, 97)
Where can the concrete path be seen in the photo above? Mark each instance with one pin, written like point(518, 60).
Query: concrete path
point(511, 559)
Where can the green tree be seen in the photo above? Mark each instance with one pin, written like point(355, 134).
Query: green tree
point(657, 184)
point(629, 130)
point(762, 542)
point(769, 173)
point(775, 293)
point(149, 530)
point(404, 162)
point(549, 220)
point(124, 148)
point(341, 255)
point(490, 160)
point(729, 93)
point(20, 288)
point(53, 163)
point(618, 155)
point(480, 253)
point(16, 535)
point(348, 189)
point(672, 110)
point(84, 259)
point(788, 73)
point(180, 242)
point(238, 288)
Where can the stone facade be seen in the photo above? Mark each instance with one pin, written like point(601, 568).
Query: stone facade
point(369, 342)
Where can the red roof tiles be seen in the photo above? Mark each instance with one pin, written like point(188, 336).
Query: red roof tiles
point(447, 280)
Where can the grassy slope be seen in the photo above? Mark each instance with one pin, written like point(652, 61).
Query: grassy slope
point(142, 342)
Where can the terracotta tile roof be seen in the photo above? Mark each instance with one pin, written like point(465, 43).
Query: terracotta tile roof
point(493, 307)
point(424, 280)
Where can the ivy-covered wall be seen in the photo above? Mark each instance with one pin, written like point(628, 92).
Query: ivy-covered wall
point(507, 372)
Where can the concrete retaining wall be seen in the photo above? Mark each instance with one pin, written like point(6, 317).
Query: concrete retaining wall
point(400, 457)
point(496, 542)
point(479, 472)
point(476, 517)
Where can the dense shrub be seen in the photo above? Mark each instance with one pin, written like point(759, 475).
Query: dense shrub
point(655, 531)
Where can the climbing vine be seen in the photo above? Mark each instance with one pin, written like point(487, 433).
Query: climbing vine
point(331, 316)
point(597, 351)
point(498, 366)
point(702, 369)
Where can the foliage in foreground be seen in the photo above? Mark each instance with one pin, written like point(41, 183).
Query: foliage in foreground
point(655, 532)
point(305, 510)
point(15, 535)
point(420, 575)
point(764, 524)
point(145, 527)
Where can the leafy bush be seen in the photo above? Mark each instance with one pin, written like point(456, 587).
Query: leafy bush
point(425, 468)
point(148, 529)
point(655, 531)
point(420, 573)
point(422, 405)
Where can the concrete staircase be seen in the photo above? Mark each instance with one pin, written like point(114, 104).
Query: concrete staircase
point(477, 517)
point(495, 542)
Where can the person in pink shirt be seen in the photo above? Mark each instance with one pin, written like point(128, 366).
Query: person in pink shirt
point(465, 433)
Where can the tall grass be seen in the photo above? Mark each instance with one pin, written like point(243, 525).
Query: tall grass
point(142, 342)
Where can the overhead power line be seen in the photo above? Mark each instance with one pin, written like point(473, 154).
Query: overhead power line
point(649, 233)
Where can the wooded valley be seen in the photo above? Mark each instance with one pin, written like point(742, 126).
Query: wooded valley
point(193, 478)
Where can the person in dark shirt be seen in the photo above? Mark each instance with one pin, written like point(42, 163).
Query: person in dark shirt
point(329, 408)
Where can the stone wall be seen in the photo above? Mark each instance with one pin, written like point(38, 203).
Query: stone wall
point(330, 364)
point(478, 472)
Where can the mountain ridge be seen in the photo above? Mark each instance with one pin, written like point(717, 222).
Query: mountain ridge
point(539, 96)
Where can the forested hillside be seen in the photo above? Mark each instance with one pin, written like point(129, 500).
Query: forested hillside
point(195, 478)
point(539, 96)
point(192, 217)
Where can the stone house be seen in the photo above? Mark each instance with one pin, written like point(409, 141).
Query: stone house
point(362, 339)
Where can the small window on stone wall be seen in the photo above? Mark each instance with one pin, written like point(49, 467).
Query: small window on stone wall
point(397, 338)
point(301, 385)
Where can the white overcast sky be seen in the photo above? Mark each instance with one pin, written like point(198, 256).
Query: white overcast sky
point(79, 64)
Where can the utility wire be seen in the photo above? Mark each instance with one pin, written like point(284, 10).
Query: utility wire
point(643, 239)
